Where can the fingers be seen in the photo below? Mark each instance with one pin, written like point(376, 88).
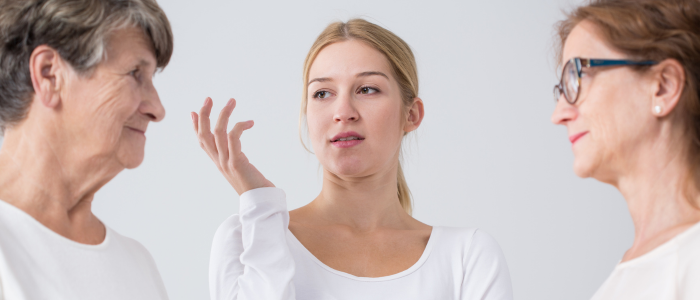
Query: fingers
point(194, 121)
point(220, 130)
point(234, 138)
point(206, 139)
point(204, 115)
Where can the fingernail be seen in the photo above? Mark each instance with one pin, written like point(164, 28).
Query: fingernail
point(192, 116)
point(205, 101)
point(230, 102)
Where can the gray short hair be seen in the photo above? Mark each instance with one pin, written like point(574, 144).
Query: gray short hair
point(77, 29)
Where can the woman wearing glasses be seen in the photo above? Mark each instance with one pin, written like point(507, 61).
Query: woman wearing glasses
point(357, 239)
point(630, 99)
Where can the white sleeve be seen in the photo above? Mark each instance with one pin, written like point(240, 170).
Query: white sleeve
point(486, 272)
point(250, 258)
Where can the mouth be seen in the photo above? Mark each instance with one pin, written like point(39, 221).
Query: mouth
point(577, 136)
point(347, 139)
point(143, 132)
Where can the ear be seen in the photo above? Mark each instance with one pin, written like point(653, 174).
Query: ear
point(668, 84)
point(46, 71)
point(414, 116)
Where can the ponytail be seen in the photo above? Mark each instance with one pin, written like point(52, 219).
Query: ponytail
point(404, 192)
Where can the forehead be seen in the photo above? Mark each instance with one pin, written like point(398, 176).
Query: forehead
point(586, 41)
point(348, 58)
point(127, 45)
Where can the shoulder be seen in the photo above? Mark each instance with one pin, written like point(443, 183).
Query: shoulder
point(473, 246)
point(131, 252)
point(689, 264)
point(689, 247)
point(470, 240)
point(483, 265)
point(138, 258)
point(130, 245)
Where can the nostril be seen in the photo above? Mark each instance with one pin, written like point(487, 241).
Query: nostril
point(151, 116)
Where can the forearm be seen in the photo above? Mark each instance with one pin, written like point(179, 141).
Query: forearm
point(250, 258)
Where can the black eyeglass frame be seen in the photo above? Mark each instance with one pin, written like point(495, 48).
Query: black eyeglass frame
point(579, 63)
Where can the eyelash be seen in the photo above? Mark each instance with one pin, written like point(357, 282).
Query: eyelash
point(317, 95)
point(376, 90)
point(136, 73)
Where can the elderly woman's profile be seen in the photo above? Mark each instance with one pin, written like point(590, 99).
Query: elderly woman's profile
point(76, 98)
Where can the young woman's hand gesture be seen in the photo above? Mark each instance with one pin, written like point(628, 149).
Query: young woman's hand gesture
point(225, 148)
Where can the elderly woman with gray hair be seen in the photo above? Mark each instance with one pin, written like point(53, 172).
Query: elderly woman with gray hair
point(76, 97)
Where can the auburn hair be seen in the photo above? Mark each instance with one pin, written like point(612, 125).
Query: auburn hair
point(653, 30)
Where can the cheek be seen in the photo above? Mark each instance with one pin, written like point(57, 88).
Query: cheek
point(386, 120)
point(317, 123)
point(616, 120)
point(117, 101)
point(111, 107)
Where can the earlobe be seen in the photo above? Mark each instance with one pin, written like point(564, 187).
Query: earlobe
point(45, 69)
point(669, 83)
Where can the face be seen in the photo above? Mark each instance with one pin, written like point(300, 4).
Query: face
point(354, 111)
point(108, 111)
point(612, 116)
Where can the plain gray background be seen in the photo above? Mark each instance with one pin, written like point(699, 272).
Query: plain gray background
point(485, 156)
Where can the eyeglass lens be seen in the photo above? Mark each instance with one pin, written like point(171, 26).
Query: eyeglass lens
point(570, 81)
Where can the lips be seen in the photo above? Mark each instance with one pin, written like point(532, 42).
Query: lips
point(577, 136)
point(347, 139)
point(136, 130)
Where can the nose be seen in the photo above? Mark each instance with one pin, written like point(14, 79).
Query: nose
point(151, 105)
point(564, 112)
point(345, 110)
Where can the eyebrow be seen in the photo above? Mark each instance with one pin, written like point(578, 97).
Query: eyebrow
point(143, 63)
point(363, 74)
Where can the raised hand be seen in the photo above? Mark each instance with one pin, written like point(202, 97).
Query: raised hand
point(225, 148)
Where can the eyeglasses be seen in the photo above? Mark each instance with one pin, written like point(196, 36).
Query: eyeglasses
point(570, 84)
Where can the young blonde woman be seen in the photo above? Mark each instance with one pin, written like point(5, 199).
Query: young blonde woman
point(630, 99)
point(357, 239)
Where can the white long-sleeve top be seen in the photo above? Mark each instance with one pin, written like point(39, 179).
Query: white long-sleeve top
point(669, 272)
point(255, 256)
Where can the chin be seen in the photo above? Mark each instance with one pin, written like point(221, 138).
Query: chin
point(131, 152)
point(132, 162)
point(584, 167)
point(132, 158)
point(347, 167)
point(345, 170)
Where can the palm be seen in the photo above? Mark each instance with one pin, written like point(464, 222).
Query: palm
point(225, 148)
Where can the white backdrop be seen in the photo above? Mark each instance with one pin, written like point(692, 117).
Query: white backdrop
point(486, 155)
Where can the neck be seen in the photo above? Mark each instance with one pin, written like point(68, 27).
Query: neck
point(42, 179)
point(657, 191)
point(364, 203)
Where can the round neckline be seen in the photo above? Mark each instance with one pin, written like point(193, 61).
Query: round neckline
point(54, 235)
point(434, 233)
point(660, 249)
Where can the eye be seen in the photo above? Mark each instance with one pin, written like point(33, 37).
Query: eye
point(136, 73)
point(322, 94)
point(367, 90)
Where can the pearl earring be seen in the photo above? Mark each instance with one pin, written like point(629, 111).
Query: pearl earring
point(657, 109)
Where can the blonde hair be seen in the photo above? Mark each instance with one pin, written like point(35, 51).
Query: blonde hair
point(402, 62)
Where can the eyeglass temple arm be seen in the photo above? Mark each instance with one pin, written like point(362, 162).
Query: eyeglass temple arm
point(614, 62)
